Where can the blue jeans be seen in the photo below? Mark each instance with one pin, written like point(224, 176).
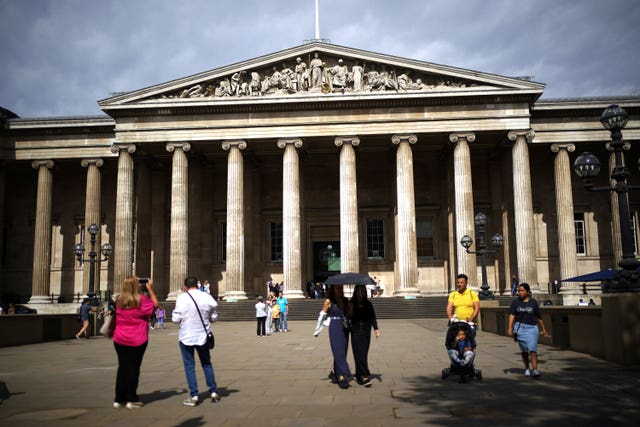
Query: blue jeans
point(283, 321)
point(188, 360)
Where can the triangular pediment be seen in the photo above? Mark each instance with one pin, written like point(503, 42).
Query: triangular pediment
point(320, 70)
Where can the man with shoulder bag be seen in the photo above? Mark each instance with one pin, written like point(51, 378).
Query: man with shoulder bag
point(194, 312)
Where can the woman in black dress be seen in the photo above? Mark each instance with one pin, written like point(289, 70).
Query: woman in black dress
point(363, 319)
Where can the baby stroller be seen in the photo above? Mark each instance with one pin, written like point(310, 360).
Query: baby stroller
point(461, 360)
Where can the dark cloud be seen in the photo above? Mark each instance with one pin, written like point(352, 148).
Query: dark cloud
point(60, 57)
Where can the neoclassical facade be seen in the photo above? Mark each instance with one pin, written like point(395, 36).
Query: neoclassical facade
point(303, 163)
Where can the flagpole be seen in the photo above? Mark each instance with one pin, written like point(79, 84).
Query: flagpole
point(317, 21)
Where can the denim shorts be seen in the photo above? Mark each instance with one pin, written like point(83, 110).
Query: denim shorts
point(527, 336)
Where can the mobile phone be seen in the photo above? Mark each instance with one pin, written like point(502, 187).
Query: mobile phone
point(142, 281)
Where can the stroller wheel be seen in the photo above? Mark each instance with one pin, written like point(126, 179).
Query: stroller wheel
point(445, 373)
point(478, 374)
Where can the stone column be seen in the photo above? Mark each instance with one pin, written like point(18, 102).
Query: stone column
point(292, 257)
point(406, 244)
point(464, 203)
point(179, 231)
point(564, 212)
point(123, 250)
point(349, 241)
point(92, 215)
point(42, 240)
point(523, 208)
point(235, 220)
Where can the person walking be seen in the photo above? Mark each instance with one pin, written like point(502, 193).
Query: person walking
point(261, 317)
point(463, 303)
point(85, 309)
point(336, 306)
point(363, 319)
point(193, 308)
point(524, 318)
point(130, 338)
point(160, 314)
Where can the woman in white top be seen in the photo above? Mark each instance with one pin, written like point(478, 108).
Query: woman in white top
point(261, 317)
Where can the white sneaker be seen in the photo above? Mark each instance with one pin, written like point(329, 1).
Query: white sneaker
point(117, 405)
point(527, 373)
point(215, 397)
point(134, 405)
point(536, 374)
point(192, 401)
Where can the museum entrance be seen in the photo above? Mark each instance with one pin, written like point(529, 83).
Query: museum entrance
point(326, 260)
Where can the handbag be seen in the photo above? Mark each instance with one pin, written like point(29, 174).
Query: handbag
point(109, 325)
point(211, 340)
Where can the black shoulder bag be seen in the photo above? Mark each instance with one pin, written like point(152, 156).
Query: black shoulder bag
point(211, 340)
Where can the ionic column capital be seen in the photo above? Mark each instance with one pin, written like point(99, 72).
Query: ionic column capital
point(457, 136)
point(398, 138)
point(557, 147)
point(86, 162)
point(528, 134)
point(282, 143)
point(625, 147)
point(116, 148)
point(339, 141)
point(37, 163)
point(184, 146)
point(241, 144)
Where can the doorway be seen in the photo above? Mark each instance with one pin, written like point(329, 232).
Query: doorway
point(326, 260)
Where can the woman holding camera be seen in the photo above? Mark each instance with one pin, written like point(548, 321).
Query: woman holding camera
point(524, 318)
point(130, 338)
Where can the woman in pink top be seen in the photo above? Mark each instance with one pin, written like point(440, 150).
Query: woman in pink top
point(133, 309)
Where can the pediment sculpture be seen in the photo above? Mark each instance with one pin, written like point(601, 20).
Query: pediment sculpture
point(333, 75)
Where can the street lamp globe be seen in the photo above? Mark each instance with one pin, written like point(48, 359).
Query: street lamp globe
point(586, 165)
point(497, 240)
point(480, 219)
point(614, 118)
point(93, 229)
point(466, 241)
point(106, 250)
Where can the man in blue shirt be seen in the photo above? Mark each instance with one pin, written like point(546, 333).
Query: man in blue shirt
point(284, 312)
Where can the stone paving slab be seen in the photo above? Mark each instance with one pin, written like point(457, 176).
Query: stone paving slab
point(281, 380)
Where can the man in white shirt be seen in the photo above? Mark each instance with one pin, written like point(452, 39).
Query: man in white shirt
point(192, 335)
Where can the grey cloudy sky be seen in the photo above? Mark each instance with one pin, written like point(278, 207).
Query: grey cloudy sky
point(59, 57)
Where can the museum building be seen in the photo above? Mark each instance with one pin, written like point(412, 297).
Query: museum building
point(302, 163)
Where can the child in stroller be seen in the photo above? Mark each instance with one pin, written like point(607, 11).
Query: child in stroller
point(461, 345)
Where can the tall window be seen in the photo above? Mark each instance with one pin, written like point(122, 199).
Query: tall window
point(581, 243)
point(424, 236)
point(223, 241)
point(375, 239)
point(276, 241)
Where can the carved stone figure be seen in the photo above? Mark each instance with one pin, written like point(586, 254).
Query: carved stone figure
point(339, 76)
point(302, 76)
point(316, 71)
point(254, 86)
point(357, 75)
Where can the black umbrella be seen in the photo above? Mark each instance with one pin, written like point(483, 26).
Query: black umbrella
point(350, 279)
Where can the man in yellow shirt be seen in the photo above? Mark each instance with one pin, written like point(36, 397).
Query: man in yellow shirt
point(464, 303)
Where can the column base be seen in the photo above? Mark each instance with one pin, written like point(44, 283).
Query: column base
point(173, 295)
point(573, 299)
point(39, 299)
point(294, 294)
point(407, 292)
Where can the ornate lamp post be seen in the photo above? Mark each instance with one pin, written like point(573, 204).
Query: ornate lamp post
point(587, 166)
point(481, 249)
point(106, 250)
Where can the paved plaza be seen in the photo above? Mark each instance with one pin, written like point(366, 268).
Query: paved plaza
point(281, 380)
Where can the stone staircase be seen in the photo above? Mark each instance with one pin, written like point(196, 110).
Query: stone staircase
point(307, 309)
